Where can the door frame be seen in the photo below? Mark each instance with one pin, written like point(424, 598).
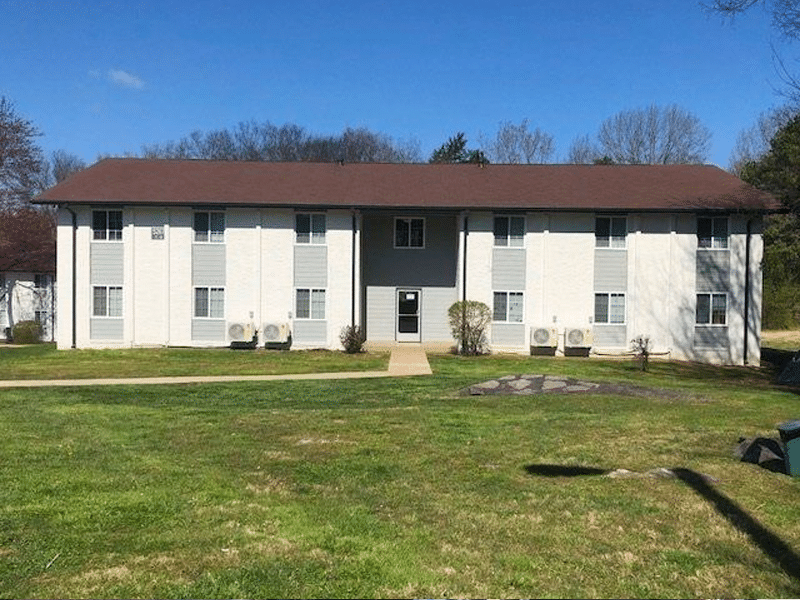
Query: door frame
point(408, 337)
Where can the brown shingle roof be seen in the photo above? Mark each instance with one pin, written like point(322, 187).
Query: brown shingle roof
point(513, 187)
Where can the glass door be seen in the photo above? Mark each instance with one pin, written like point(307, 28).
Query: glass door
point(408, 303)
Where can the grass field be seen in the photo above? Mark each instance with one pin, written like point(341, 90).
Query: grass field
point(399, 487)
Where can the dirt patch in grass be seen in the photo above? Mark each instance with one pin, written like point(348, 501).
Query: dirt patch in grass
point(525, 385)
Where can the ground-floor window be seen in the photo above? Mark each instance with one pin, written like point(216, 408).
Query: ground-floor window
point(209, 302)
point(107, 301)
point(609, 307)
point(712, 309)
point(310, 303)
point(508, 307)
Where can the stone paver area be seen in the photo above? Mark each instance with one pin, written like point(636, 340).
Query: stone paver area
point(543, 384)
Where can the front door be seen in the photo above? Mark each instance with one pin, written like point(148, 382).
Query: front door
point(408, 303)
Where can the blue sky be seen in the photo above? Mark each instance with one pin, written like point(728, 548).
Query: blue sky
point(107, 77)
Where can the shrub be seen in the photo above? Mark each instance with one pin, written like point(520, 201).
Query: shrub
point(640, 345)
point(468, 322)
point(27, 332)
point(352, 338)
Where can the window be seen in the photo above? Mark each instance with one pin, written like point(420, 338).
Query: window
point(507, 307)
point(712, 232)
point(409, 232)
point(609, 232)
point(40, 316)
point(41, 281)
point(712, 309)
point(310, 304)
point(310, 228)
point(209, 227)
point(107, 301)
point(609, 308)
point(509, 231)
point(107, 224)
point(209, 303)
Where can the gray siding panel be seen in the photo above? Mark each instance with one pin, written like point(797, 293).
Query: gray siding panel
point(713, 270)
point(508, 334)
point(711, 337)
point(208, 330)
point(508, 269)
point(432, 266)
point(106, 263)
point(208, 264)
point(380, 313)
point(610, 270)
point(105, 329)
point(310, 332)
point(610, 336)
point(435, 322)
point(310, 266)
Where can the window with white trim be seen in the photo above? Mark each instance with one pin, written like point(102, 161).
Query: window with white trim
point(106, 301)
point(509, 231)
point(310, 303)
point(610, 232)
point(609, 308)
point(711, 309)
point(309, 228)
point(209, 303)
point(209, 227)
point(712, 232)
point(409, 232)
point(41, 281)
point(508, 307)
point(107, 225)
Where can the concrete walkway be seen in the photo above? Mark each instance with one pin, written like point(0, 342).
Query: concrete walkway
point(405, 360)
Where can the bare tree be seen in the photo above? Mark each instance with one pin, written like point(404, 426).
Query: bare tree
point(64, 164)
point(517, 144)
point(785, 13)
point(654, 135)
point(21, 159)
point(753, 142)
point(583, 151)
point(267, 142)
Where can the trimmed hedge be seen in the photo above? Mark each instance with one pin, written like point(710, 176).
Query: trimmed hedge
point(27, 332)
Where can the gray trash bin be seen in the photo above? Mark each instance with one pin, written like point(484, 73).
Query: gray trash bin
point(790, 436)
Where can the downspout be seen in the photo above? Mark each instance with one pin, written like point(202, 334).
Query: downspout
point(74, 276)
point(747, 289)
point(464, 285)
point(353, 272)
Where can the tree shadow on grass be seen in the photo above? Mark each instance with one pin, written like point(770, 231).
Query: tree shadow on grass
point(768, 542)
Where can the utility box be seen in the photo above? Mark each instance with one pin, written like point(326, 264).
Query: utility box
point(790, 436)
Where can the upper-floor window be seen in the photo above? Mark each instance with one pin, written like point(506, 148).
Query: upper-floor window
point(309, 228)
point(712, 232)
point(41, 281)
point(610, 232)
point(409, 232)
point(509, 231)
point(209, 227)
point(107, 224)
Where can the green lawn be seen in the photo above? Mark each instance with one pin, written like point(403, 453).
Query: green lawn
point(398, 487)
point(43, 361)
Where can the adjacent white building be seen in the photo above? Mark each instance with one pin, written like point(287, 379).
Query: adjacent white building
point(570, 258)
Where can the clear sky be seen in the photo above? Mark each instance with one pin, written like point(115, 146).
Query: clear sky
point(110, 76)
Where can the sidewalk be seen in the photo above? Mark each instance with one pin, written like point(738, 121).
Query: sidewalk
point(405, 360)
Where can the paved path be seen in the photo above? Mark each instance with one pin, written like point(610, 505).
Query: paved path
point(405, 360)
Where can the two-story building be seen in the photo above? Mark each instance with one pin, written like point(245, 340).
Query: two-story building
point(568, 257)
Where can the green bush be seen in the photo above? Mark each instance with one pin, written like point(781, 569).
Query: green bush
point(352, 338)
point(27, 332)
point(468, 322)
